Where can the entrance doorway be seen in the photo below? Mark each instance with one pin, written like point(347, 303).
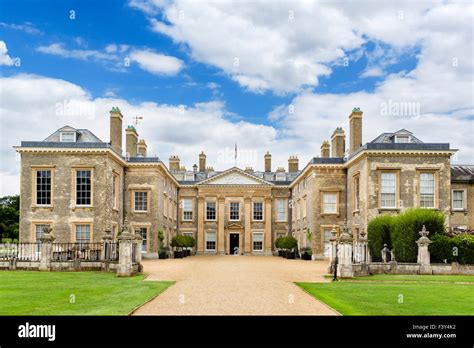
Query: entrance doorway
point(234, 244)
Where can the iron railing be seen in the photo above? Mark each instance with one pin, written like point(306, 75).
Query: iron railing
point(76, 251)
point(20, 251)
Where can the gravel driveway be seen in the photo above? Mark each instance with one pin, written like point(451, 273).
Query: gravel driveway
point(235, 285)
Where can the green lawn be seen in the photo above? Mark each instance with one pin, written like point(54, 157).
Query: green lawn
point(92, 293)
point(397, 295)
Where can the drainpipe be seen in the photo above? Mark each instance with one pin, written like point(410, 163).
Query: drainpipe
point(290, 212)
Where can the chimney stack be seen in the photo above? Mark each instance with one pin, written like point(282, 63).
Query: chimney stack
point(268, 162)
point(131, 137)
point(141, 147)
point(293, 164)
point(325, 149)
point(174, 163)
point(116, 119)
point(355, 129)
point(338, 143)
point(202, 162)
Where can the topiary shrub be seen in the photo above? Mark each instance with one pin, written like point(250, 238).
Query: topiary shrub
point(405, 229)
point(457, 248)
point(378, 232)
point(278, 242)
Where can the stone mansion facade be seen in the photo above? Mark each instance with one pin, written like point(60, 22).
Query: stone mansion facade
point(82, 187)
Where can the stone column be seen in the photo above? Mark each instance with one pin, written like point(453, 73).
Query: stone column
point(138, 248)
point(268, 226)
point(344, 266)
point(332, 255)
point(125, 254)
point(200, 226)
point(220, 228)
point(423, 252)
point(247, 228)
point(46, 251)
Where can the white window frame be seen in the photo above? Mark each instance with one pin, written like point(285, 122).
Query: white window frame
point(36, 171)
point(402, 136)
point(324, 203)
point(253, 241)
point(135, 202)
point(190, 201)
point(230, 211)
point(278, 211)
point(207, 240)
point(62, 134)
point(137, 228)
point(395, 187)
point(75, 231)
point(215, 210)
point(433, 175)
point(463, 195)
point(253, 211)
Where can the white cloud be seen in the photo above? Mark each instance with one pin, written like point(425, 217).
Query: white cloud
point(58, 49)
point(39, 102)
point(114, 56)
point(155, 63)
point(5, 59)
point(26, 27)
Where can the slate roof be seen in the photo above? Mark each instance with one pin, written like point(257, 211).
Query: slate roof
point(83, 135)
point(462, 173)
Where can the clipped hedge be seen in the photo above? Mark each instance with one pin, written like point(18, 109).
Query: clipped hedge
point(378, 233)
point(458, 248)
point(288, 243)
point(405, 230)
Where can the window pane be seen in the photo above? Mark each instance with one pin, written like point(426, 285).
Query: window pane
point(187, 209)
point(427, 190)
point(83, 187)
point(258, 241)
point(141, 201)
point(83, 233)
point(329, 203)
point(234, 211)
point(458, 198)
point(211, 210)
point(388, 190)
point(210, 241)
point(43, 187)
point(281, 210)
point(258, 211)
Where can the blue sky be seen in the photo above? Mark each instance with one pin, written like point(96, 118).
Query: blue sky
point(318, 58)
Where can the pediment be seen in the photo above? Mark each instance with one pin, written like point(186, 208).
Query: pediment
point(234, 176)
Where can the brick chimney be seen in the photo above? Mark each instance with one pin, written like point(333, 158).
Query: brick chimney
point(268, 162)
point(174, 163)
point(325, 149)
point(355, 129)
point(116, 119)
point(202, 162)
point(141, 147)
point(338, 143)
point(131, 138)
point(293, 164)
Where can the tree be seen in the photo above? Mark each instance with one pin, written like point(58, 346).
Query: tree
point(10, 216)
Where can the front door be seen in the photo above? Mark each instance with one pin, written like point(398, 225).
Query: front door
point(234, 244)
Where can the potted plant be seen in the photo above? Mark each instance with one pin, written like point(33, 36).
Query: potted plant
point(290, 244)
point(306, 253)
point(177, 243)
point(190, 244)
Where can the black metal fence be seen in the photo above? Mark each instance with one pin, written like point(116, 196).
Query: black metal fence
point(76, 251)
point(20, 251)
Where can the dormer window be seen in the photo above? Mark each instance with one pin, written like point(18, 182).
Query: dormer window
point(69, 137)
point(402, 139)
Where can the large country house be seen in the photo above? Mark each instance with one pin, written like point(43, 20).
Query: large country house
point(81, 187)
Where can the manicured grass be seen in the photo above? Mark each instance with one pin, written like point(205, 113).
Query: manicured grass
point(397, 295)
point(409, 278)
point(94, 293)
